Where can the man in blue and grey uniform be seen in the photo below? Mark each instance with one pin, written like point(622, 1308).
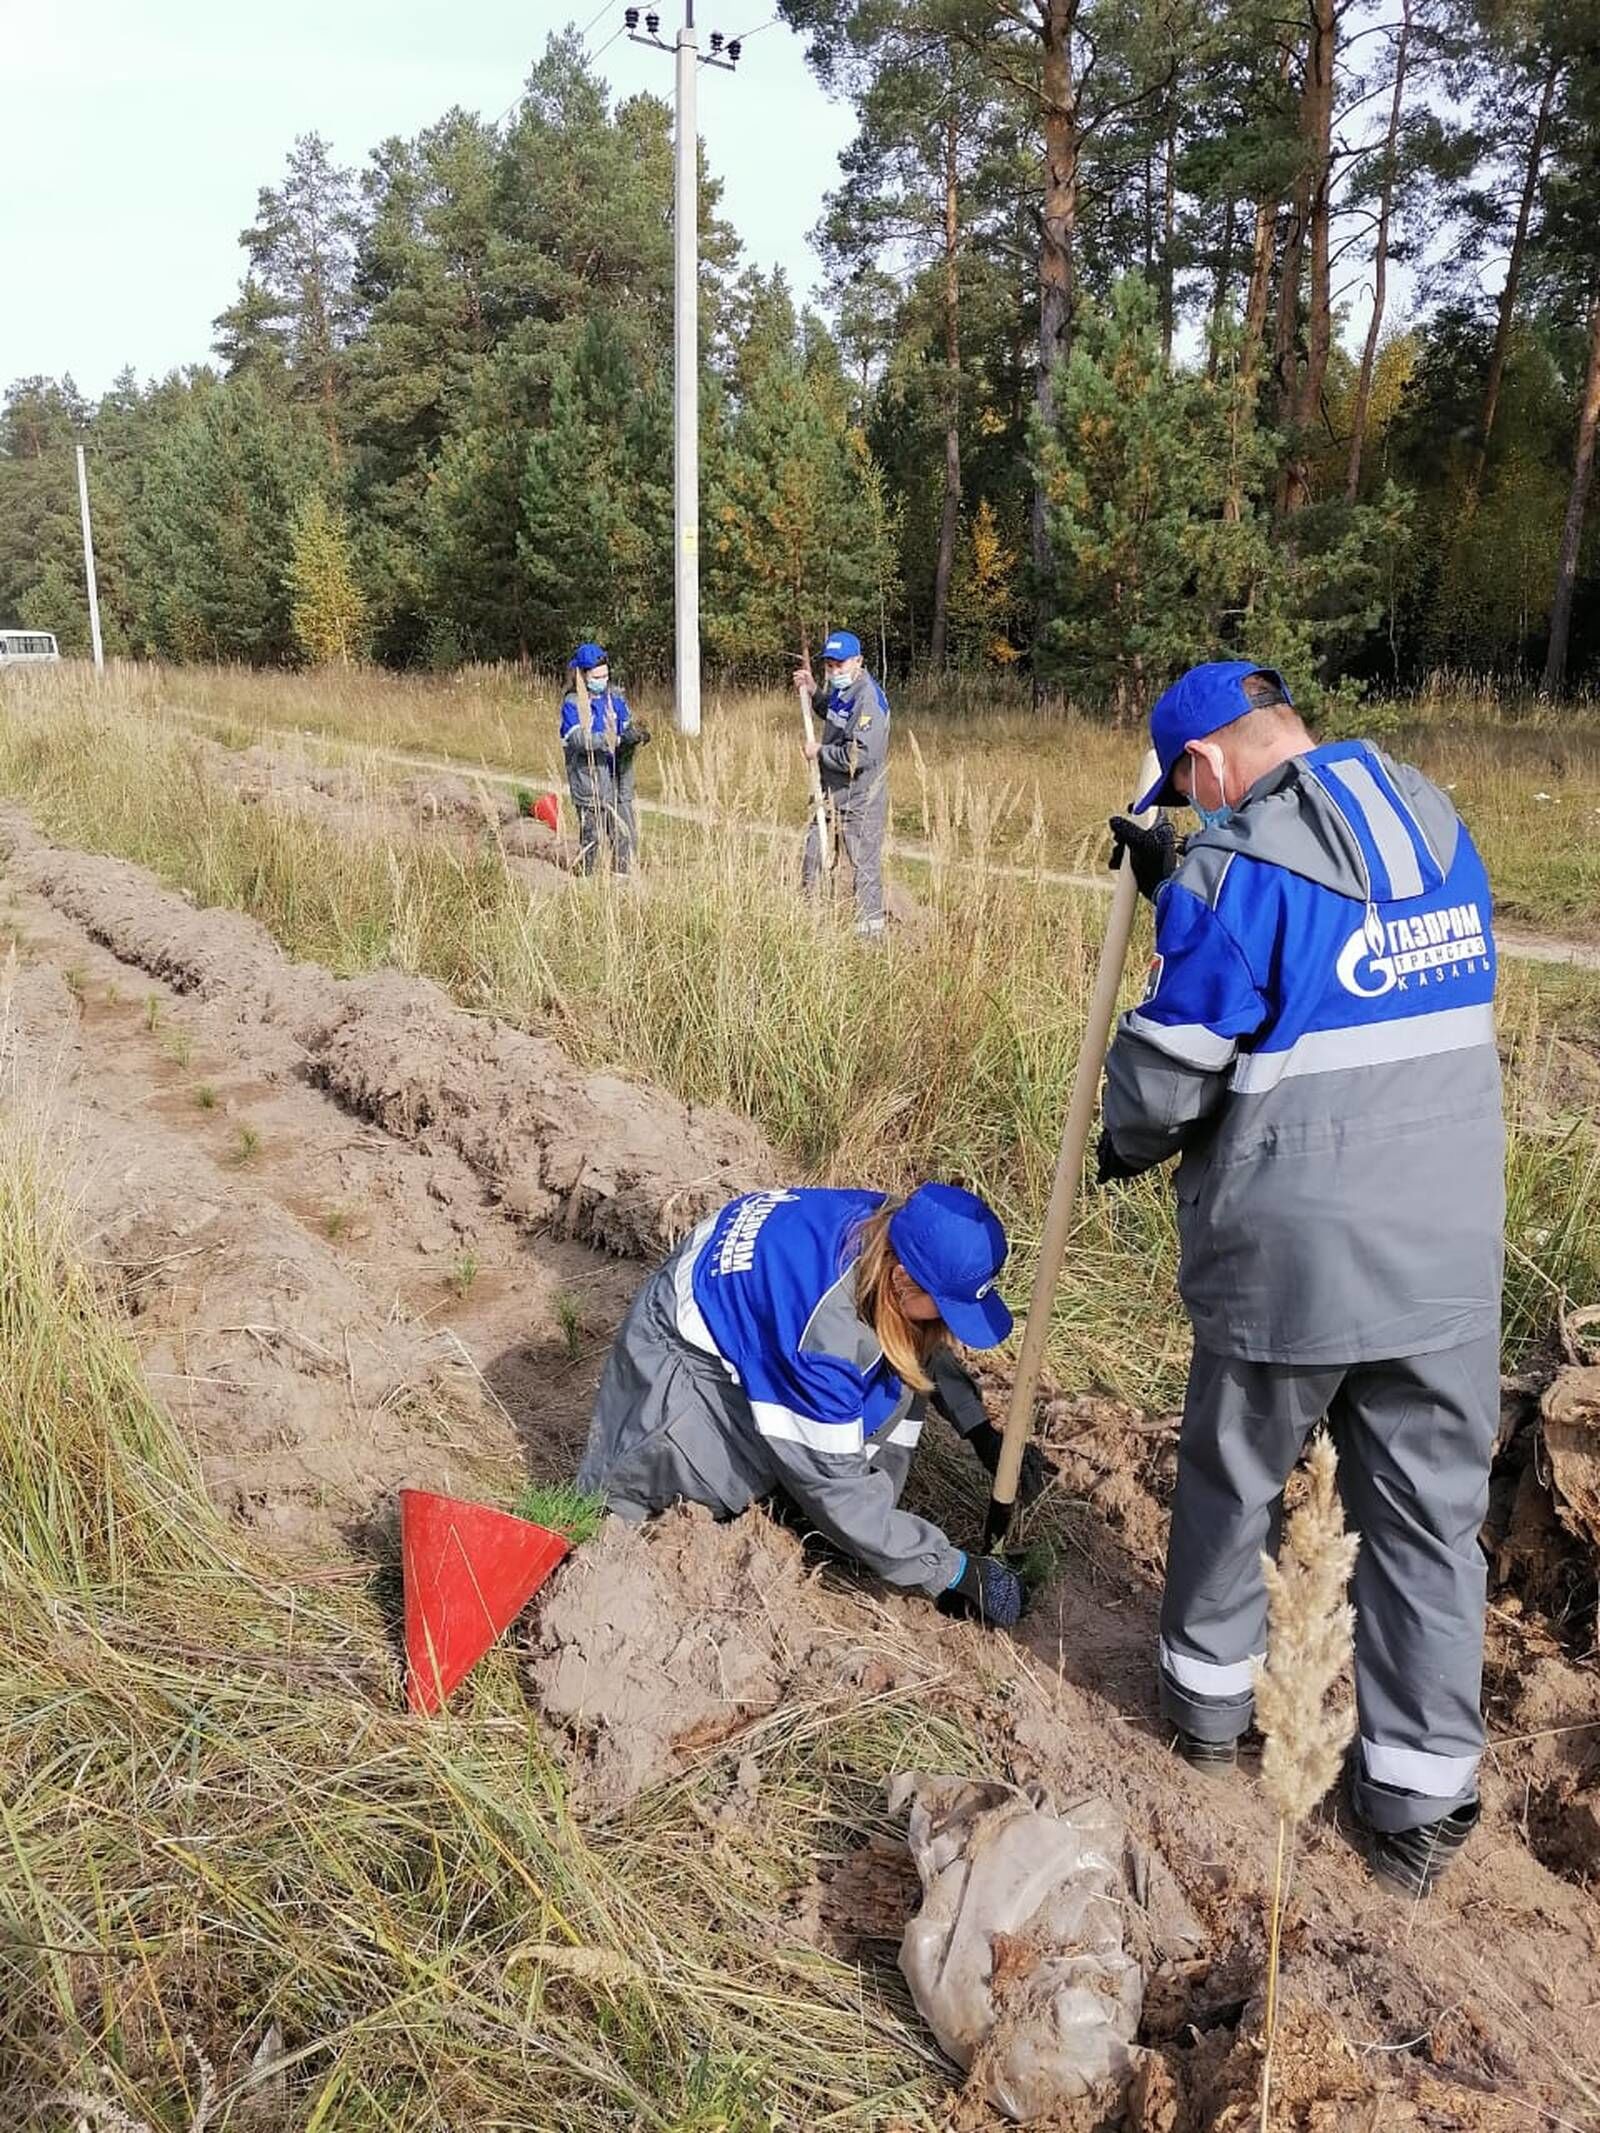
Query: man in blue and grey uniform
point(599, 735)
point(787, 1348)
point(852, 756)
point(1317, 1044)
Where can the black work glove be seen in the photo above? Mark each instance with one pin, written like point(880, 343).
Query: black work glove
point(955, 1393)
point(1152, 853)
point(633, 736)
point(1109, 1168)
point(1033, 1476)
point(986, 1592)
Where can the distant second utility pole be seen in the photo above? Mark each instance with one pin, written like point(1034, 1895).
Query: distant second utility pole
point(685, 350)
point(88, 564)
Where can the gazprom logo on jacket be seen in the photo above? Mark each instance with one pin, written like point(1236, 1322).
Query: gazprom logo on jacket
point(1379, 956)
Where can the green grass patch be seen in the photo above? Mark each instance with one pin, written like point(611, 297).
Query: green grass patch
point(562, 1508)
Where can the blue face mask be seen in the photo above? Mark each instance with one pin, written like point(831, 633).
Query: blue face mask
point(595, 684)
point(1210, 817)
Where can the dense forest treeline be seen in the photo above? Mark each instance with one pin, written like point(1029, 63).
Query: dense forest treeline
point(1088, 398)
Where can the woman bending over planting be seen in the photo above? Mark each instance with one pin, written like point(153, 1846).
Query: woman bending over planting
point(788, 1348)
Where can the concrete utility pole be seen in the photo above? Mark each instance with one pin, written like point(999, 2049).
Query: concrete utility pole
point(88, 564)
point(685, 349)
point(686, 389)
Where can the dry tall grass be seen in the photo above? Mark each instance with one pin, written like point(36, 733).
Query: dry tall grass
point(1525, 774)
point(1310, 1627)
point(216, 1823)
point(950, 1052)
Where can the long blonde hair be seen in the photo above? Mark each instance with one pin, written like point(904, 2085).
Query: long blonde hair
point(907, 1342)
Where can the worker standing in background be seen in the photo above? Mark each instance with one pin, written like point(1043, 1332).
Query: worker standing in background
point(853, 759)
point(1317, 1043)
point(786, 1349)
point(599, 735)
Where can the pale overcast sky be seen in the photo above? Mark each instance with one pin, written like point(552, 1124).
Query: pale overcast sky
point(135, 137)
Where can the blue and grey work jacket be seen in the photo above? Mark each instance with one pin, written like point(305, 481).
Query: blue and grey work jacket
point(855, 740)
point(591, 732)
point(745, 1367)
point(1317, 1041)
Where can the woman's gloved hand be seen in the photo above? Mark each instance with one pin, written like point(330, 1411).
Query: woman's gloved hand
point(1033, 1476)
point(634, 735)
point(987, 1592)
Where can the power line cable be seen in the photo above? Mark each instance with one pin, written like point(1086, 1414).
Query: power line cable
point(745, 36)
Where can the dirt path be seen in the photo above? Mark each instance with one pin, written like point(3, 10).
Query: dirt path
point(1520, 944)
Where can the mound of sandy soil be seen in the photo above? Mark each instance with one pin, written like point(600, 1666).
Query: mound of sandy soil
point(308, 1400)
point(616, 1163)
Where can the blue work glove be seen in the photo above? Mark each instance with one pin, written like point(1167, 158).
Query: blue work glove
point(987, 1592)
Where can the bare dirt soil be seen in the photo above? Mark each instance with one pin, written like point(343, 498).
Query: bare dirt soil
point(364, 1238)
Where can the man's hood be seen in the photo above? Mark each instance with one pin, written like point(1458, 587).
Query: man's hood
point(1349, 819)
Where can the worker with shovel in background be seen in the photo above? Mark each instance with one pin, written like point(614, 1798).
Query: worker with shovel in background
point(1317, 1043)
point(787, 1349)
point(598, 737)
point(852, 757)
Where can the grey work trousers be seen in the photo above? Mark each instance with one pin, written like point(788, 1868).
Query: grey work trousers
point(858, 815)
point(1415, 1437)
point(602, 793)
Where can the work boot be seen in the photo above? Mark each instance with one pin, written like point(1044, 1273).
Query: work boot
point(1410, 1861)
point(1212, 1758)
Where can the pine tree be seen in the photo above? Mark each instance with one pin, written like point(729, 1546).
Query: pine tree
point(800, 534)
point(212, 532)
point(297, 303)
point(41, 551)
point(329, 614)
point(1163, 551)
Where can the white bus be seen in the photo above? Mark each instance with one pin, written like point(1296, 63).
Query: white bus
point(19, 645)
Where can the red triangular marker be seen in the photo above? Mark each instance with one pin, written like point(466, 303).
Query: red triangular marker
point(469, 1572)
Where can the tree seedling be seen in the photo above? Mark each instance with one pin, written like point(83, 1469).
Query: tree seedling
point(561, 1508)
point(206, 1096)
point(570, 1320)
point(464, 1273)
point(152, 1012)
point(335, 1223)
point(75, 980)
point(246, 1146)
point(179, 1047)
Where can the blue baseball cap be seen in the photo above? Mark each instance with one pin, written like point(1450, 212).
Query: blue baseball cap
point(589, 655)
point(951, 1244)
point(1198, 703)
point(841, 645)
